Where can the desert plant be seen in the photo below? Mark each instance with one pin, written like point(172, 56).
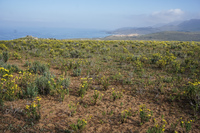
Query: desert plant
point(79, 125)
point(30, 91)
point(186, 125)
point(77, 72)
point(43, 85)
point(116, 94)
point(75, 54)
point(97, 96)
point(33, 110)
point(125, 114)
point(5, 56)
point(84, 86)
point(105, 82)
point(145, 114)
point(72, 107)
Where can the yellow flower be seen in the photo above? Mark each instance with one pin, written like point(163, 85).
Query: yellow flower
point(34, 105)
point(163, 126)
point(84, 121)
point(27, 106)
point(20, 72)
point(163, 129)
point(38, 98)
point(156, 125)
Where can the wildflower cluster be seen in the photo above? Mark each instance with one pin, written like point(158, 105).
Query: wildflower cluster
point(192, 91)
point(25, 78)
point(195, 83)
point(72, 106)
point(159, 127)
point(84, 86)
point(125, 114)
point(97, 95)
point(17, 56)
point(79, 125)
point(145, 114)
point(186, 125)
point(11, 89)
point(33, 110)
point(116, 94)
point(105, 82)
point(4, 73)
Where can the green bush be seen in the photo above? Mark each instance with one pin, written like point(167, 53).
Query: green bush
point(43, 85)
point(27, 64)
point(31, 91)
point(65, 82)
point(5, 56)
point(75, 54)
point(3, 47)
point(77, 72)
point(38, 67)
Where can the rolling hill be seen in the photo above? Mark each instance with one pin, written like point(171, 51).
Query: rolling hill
point(192, 25)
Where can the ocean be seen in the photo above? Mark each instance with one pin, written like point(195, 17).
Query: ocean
point(57, 33)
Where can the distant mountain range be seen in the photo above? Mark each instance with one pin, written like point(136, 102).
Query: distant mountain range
point(192, 25)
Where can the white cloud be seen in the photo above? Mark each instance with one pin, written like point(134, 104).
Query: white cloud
point(171, 12)
point(167, 16)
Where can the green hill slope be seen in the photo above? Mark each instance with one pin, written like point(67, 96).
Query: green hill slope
point(165, 36)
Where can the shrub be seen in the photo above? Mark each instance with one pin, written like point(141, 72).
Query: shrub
point(27, 64)
point(65, 82)
point(5, 56)
point(43, 85)
point(125, 114)
point(38, 67)
point(3, 47)
point(31, 90)
point(33, 110)
point(79, 126)
point(77, 72)
point(145, 114)
point(75, 54)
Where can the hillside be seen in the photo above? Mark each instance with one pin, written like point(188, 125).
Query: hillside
point(164, 36)
point(192, 25)
point(99, 86)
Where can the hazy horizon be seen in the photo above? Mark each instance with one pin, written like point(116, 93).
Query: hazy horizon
point(90, 14)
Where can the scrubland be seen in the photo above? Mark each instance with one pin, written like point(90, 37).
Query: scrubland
point(68, 86)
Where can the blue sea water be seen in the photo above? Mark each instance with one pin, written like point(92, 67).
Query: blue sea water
point(57, 33)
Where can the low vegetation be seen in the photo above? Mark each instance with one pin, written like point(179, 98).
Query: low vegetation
point(99, 86)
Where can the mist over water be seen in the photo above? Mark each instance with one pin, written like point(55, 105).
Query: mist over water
point(57, 33)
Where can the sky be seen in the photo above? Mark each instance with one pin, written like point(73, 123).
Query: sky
point(95, 14)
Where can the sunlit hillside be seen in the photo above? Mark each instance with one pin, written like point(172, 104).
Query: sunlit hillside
point(99, 86)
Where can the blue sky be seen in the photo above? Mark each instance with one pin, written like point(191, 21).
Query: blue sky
point(95, 14)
